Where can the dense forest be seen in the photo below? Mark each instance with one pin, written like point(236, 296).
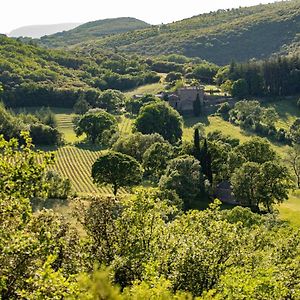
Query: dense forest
point(33, 76)
point(278, 76)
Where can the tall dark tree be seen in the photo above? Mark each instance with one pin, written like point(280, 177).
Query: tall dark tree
point(197, 152)
point(205, 161)
point(197, 106)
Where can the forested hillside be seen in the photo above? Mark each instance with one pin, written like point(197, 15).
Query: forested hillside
point(33, 76)
point(93, 30)
point(221, 36)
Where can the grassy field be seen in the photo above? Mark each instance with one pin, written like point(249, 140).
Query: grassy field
point(147, 89)
point(290, 210)
point(65, 125)
point(288, 112)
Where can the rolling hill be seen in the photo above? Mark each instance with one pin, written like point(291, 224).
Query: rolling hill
point(221, 36)
point(37, 31)
point(93, 30)
point(35, 76)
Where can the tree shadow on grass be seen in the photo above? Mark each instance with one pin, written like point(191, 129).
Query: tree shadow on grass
point(190, 121)
point(46, 148)
point(204, 202)
point(88, 146)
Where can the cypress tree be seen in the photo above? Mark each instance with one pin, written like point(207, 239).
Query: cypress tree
point(197, 106)
point(205, 160)
point(197, 152)
point(209, 170)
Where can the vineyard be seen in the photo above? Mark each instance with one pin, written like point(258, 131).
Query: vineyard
point(75, 163)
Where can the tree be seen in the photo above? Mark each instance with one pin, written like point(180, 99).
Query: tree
point(206, 161)
point(295, 131)
point(111, 100)
point(173, 76)
point(197, 152)
point(116, 169)
point(97, 125)
point(59, 187)
point(293, 159)
point(240, 88)
point(47, 117)
point(10, 126)
point(197, 106)
point(244, 183)
point(45, 135)
point(246, 110)
point(217, 160)
point(183, 175)
point(223, 110)
point(134, 104)
point(273, 184)
point(156, 158)
point(269, 116)
point(227, 86)
point(137, 144)
point(160, 118)
point(81, 106)
point(256, 150)
point(28, 240)
point(265, 184)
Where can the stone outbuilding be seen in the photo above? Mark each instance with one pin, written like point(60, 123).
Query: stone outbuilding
point(183, 99)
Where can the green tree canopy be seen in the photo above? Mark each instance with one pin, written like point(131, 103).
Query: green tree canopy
point(160, 118)
point(97, 125)
point(136, 144)
point(184, 176)
point(244, 182)
point(256, 150)
point(156, 158)
point(116, 169)
point(197, 106)
point(240, 88)
point(134, 104)
point(265, 184)
point(81, 106)
point(295, 131)
point(111, 100)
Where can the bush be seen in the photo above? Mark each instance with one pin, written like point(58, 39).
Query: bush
point(45, 135)
point(224, 109)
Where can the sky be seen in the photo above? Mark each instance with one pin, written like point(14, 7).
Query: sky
point(18, 13)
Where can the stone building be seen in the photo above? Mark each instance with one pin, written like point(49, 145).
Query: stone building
point(183, 99)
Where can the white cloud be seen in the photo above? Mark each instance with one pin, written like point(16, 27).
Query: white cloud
point(17, 13)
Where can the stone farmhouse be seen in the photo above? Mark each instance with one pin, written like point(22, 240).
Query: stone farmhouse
point(184, 98)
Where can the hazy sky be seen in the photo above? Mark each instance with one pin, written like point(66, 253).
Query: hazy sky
point(17, 13)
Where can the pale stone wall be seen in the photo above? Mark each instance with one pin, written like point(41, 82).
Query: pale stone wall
point(184, 98)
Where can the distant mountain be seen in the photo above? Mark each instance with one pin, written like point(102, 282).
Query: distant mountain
point(37, 31)
point(221, 36)
point(93, 30)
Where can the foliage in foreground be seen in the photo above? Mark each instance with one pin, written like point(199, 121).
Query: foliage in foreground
point(152, 248)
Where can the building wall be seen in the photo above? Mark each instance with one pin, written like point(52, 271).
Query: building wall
point(187, 97)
